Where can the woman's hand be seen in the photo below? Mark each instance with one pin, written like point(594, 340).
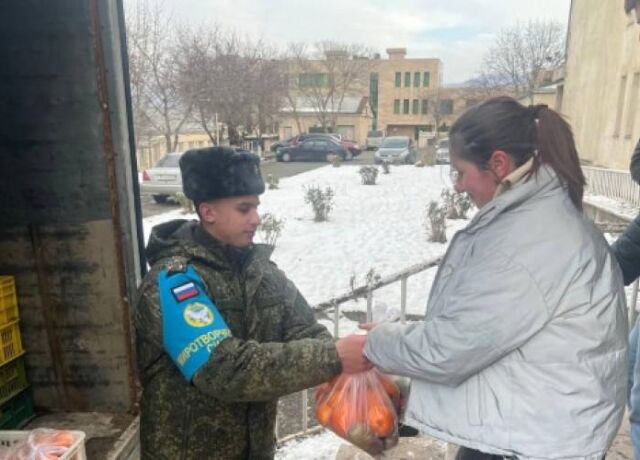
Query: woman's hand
point(367, 326)
point(350, 351)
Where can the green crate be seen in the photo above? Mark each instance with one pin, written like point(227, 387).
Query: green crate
point(17, 411)
point(13, 379)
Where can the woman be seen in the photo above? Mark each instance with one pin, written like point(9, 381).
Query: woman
point(523, 349)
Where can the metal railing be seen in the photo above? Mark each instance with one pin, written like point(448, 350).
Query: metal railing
point(612, 183)
point(334, 303)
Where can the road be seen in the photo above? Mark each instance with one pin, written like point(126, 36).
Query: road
point(279, 170)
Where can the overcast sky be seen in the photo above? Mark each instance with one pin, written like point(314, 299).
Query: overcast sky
point(456, 31)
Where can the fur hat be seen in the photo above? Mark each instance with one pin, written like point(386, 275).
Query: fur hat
point(220, 172)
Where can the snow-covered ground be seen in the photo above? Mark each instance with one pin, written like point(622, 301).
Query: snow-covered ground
point(380, 227)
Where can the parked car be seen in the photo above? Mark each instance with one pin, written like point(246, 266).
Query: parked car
point(442, 151)
point(374, 139)
point(396, 149)
point(164, 179)
point(319, 149)
point(284, 143)
point(352, 146)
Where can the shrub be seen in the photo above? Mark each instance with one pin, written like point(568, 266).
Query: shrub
point(386, 167)
point(272, 181)
point(368, 174)
point(320, 200)
point(336, 161)
point(185, 203)
point(271, 228)
point(435, 223)
point(457, 204)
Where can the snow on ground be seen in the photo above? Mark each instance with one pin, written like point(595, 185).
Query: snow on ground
point(620, 207)
point(323, 446)
point(378, 227)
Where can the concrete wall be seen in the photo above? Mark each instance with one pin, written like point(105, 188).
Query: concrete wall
point(603, 53)
point(67, 209)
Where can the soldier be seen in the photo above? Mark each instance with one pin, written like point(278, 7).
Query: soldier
point(221, 332)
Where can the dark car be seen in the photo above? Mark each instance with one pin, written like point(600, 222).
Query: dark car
point(285, 143)
point(396, 149)
point(353, 149)
point(315, 148)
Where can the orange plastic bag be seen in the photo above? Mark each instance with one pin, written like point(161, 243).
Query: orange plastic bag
point(361, 408)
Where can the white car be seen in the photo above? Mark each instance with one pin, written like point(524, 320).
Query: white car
point(442, 152)
point(164, 179)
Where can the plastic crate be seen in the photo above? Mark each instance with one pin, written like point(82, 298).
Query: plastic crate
point(17, 411)
point(75, 452)
point(13, 379)
point(8, 300)
point(10, 342)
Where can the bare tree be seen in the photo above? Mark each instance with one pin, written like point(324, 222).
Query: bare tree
point(326, 76)
point(230, 79)
point(197, 78)
point(521, 52)
point(158, 105)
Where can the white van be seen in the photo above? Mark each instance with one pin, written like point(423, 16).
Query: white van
point(374, 139)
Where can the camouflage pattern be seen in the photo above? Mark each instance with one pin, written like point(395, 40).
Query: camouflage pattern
point(229, 409)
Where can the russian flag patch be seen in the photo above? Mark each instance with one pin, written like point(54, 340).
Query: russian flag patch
point(185, 291)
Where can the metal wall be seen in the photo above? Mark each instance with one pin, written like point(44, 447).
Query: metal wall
point(68, 227)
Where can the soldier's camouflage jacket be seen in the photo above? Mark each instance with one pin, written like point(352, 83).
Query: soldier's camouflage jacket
point(228, 411)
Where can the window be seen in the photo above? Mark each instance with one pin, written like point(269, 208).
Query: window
point(446, 107)
point(425, 106)
point(398, 79)
point(426, 79)
point(170, 161)
point(414, 107)
point(405, 106)
point(407, 79)
point(313, 80)
point(416, 79)
point(396, 106)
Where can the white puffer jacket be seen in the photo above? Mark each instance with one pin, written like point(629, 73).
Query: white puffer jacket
point(523, 350)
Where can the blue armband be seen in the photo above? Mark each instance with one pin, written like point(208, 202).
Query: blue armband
point(192, 326)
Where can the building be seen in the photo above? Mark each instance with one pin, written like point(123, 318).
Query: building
point(405, 98)
point(602, 82)
point(352, 118)
point(399, 92)
point(153, 148)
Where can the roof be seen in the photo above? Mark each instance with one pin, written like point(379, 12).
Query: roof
point(350, 105)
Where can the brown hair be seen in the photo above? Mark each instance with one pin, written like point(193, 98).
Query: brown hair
point(502, 123)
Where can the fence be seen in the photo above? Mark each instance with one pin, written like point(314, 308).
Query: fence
point(366, 291)
point(612, 183)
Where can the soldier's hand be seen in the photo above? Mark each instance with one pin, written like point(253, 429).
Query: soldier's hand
point(350, 351)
